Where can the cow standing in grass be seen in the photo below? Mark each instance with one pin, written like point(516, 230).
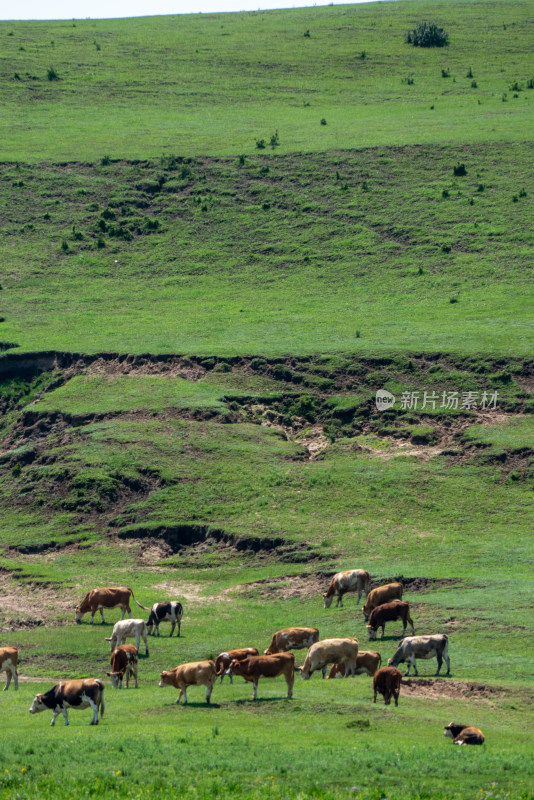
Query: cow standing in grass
point(195, 673)
point(387, 682)
point(124, 660)
point(71, 694)
point(165, 612)
point(291, 639)
point(106, 597)
point(352, 580)
point(256, 667)
point(389, 612)
point(413, 647)
point(380, 595)
point(330, 651)
point(125, 628)
point(9, 657)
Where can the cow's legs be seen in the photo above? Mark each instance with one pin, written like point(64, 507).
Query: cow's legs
point(209, 689)
point(8, 678)
point(440, 662)
point(255, 690)
point(290, 679)
point(447, 661)
point(94, 706)
point(123, 610)
point(145, 641)
point(102, 615)
point(396, 696)
point(374, 700)
point(173, 626)
point(129, 610)
point(54, 715)
point(340, 600)
point(324, 671)
point(179, 621)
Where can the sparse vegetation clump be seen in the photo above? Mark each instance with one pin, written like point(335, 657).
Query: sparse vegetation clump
point(428, 34)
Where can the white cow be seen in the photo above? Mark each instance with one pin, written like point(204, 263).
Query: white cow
point(125, 628)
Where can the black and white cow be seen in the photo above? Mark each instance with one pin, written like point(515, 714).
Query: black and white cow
point(71, 694)
point(165, 612)
point(412, 647)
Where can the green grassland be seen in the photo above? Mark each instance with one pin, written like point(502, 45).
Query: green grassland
point(195, 329)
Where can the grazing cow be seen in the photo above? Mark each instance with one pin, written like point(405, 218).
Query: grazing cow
point(381, 595)
point(195, 673)
point(71, 694)
point(353, 580)
point(107, 597)
point(270, 666)
point(367, 663)
point(291, 639)
point(464, 734)
point(165, 612)
point(9, 657)
point(389, 612)
point(123, 664)
point(413, 647)
point(387, 681)
point(331, 651)
point(125, 628)
point(223, 660)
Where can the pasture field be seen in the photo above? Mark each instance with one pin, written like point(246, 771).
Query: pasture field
point(193, 331)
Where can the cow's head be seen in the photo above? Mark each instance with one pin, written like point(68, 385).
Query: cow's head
point(449, 730)
point(327, 600)
point(366, 613)
point(79, 615)
point(165, 678)
point(234, 668)
point(37, 704)
point(116, 679)
point(371, 631)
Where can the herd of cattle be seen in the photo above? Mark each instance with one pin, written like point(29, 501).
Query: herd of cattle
point(383, 604)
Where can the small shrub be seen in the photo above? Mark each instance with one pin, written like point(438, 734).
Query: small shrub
point(307, 34)
point(515, 198)
point(105, 161)
point(52, 74)
point(151, 224)
point(446, 248)
point(409, 80)
point(453, 299)
point(358, 334)
point(445, 193)
point(264, 170)
point(516, 87)
point(365, 186)
point(100, 242)
point(445, 73)
point(420, 271)
point(363, 55)
point(474, 85)
point(522, 193)
point(480, 187)
point(242, 160)
point(108, 213)
point(65, 246)
point(266, 206)
point(530, 83)
point(275, 140)
point(260, 144)
point(459, 169)
point(17, 77)
point(504, 97)
point(427, 34)
point(323, 121)
point(469, 73)
point(97, 45)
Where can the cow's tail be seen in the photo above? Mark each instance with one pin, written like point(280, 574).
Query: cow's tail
point(219, 669)
point(138, 603)
point(102, 704)
point(379, 660)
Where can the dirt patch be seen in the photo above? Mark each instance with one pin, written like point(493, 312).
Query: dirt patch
point(438, 688)
point(187, 591)
point(418, 584)
point(285, 587)
point(30, 605)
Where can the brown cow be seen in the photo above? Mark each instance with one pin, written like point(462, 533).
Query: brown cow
point(223, 660)
point(195, 673)
point(464, 734)
point(124, 660)
point(352, 580)
point(387, 681)
point(271, 666)
point(380, 595)
point(9, 657)
point(389, 612)
point(71, 694)
point(367, 663)
point(106, 597)
point(292, 639)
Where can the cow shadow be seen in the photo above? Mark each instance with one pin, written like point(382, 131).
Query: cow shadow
point(260, 700)
point(197, 704)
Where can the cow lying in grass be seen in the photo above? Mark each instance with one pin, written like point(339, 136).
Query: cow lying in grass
point(464, 734)
point(71, 694)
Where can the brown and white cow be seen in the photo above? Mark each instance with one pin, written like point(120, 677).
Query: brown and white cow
point(124, 660)
point(380, 595)
point(330, 651)
point(367, 663)
point(223, 660)
point(352, 580)
point(389, 612)
point(270, 666)
point(165, 612)
point(106, 597)
point(387, 681)
point(464, 734)
point(9, 657)
point(71, 694)
point(125, 628)
point(292, 639)
point(413, 647)
point(194, 673)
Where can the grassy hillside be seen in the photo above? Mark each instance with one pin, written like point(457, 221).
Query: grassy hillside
point(215, 84)
point(194, 329)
